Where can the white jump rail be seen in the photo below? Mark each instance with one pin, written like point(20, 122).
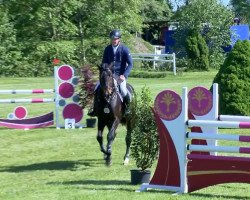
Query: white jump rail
point(234, 118)
point(156, 58)
point(229, 137)
point(35, 91)
point(221, 124)
point(33, 100)
point(210, 148)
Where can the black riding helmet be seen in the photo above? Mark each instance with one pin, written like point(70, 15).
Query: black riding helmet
point(115, 34)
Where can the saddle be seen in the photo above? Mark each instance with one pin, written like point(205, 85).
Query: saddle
point(118, 90)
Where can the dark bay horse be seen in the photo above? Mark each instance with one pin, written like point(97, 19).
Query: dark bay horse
point(110, 112)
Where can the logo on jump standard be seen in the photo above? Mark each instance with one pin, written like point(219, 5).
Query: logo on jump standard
point(168, 105)
point(200, 101)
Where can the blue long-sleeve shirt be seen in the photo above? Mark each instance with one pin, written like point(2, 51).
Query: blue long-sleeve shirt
point(122, 59)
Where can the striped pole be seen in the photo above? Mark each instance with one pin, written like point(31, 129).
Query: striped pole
point(35, 91)
point(221, 124)
point(34, 100)
point(234, 118)
point(229, 137)
point(228, 149)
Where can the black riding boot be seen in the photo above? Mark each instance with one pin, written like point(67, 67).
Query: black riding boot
point(126, 100)
point(93, 110)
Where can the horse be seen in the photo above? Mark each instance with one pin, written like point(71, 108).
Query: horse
point(111, 112)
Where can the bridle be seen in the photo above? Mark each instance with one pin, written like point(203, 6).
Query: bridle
point(107, 83)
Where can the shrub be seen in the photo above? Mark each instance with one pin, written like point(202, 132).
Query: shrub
point(145, 142)
point(234, 81)
point(197, 51)
point(86, 86)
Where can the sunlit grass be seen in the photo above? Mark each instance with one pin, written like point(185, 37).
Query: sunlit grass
point(67, 164)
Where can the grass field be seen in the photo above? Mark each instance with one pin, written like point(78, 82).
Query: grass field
point(67, 164)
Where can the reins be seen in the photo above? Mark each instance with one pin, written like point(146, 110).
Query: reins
point(114, 92)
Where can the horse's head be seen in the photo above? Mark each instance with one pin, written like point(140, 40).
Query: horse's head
point(106, 79)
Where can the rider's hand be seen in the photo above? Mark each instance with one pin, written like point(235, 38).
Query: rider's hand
point(122, 77)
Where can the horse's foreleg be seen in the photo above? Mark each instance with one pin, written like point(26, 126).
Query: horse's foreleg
point(128, 143)
point(110, 138)
point(99, 137)
point(100, 140)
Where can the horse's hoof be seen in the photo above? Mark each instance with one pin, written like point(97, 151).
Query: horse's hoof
point(126, 161)
point(108, 163)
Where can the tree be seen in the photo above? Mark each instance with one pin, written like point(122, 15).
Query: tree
point(44, 31)
point(197, 51)
point(209, 18)
point(234, 80)
point(241, 9)
point(100, 17)
point(74, 31)
point(155, 10)
point(10, 55)
point(179, 3)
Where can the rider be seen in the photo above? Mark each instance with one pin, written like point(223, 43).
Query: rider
point(118, 54)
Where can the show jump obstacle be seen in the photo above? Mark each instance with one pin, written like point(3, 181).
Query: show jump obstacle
point(187, 160)
point(65, 101)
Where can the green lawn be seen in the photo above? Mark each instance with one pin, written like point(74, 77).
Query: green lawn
point(67, 164)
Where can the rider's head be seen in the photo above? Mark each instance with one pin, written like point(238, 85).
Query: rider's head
point(115, 36)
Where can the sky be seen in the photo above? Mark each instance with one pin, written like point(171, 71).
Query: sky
point(224, 2)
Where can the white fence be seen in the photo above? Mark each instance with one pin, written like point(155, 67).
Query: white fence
point(157, 56)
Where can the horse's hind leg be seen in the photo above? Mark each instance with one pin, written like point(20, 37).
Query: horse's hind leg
point(128, 143)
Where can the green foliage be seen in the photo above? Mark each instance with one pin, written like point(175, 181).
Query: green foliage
point(197, 51)
point(210, 19)
point(216, 58)
point(94, 49)
point(73, 31)
point(86, 86)
point(137, 44)
point(234, 80)
point(241, 9)
point(145, 142)
point(155, 10)
point(10, 55)
point(64, 50)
